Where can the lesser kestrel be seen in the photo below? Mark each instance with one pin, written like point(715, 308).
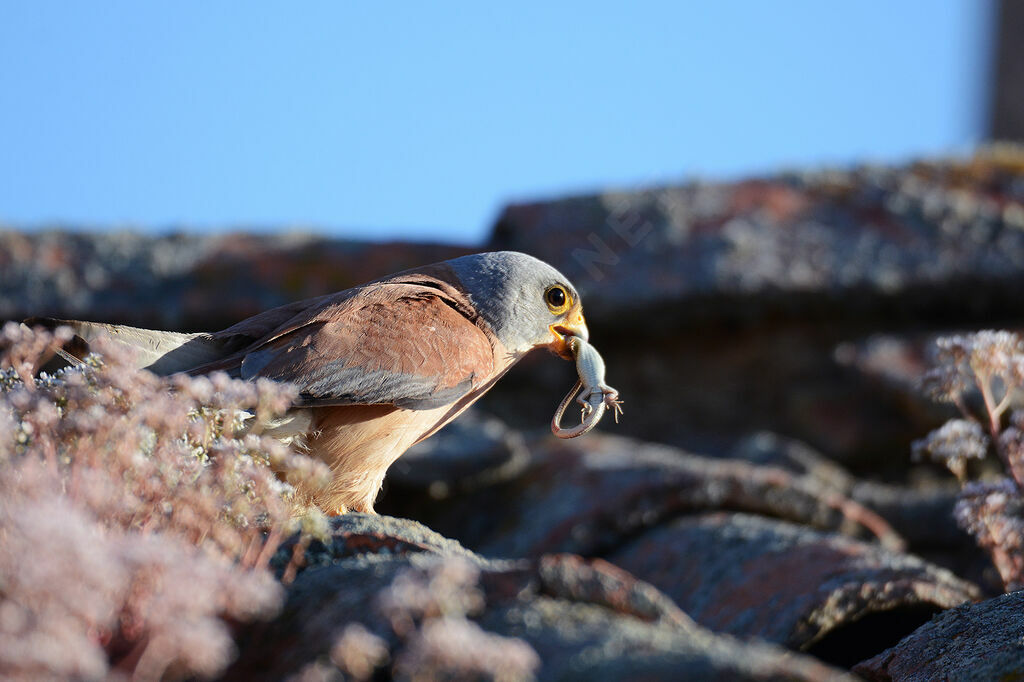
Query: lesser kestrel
point(383, 365)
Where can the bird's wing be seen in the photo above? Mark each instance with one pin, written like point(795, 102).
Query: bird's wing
point(399, 344)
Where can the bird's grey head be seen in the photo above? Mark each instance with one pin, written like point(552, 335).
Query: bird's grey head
point(526, 302)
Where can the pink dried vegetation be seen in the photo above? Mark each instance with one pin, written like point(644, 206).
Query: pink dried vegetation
point(983, 375)
point(459, 649)
point(427, 608)
point(138, 518)
point(359, 652)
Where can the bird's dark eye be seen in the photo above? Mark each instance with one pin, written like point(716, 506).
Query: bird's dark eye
point(557, 299)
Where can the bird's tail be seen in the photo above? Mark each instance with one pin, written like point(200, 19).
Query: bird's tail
point(160, 352)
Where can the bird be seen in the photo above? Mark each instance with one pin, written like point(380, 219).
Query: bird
point(381, 366)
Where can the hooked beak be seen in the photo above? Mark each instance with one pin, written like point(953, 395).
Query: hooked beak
point(562, 333)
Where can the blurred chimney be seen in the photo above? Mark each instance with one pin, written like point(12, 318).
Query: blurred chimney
point(1008, 100)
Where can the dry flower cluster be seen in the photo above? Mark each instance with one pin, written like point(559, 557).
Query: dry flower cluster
point(427, 609)
point(137, 517)
point(983, 374)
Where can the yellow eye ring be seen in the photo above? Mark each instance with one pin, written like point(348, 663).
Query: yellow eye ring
point(558, 299)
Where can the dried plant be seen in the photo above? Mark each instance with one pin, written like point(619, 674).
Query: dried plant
point(138, 517)
point(982, 374)
point(359, 652)
point(459, 649)
point(427, 608)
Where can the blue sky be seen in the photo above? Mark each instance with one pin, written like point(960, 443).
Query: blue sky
point(420, 122)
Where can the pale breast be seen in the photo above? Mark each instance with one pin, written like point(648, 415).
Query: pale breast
point(359, 443)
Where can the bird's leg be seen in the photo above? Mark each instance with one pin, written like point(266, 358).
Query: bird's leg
point(595, 397)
